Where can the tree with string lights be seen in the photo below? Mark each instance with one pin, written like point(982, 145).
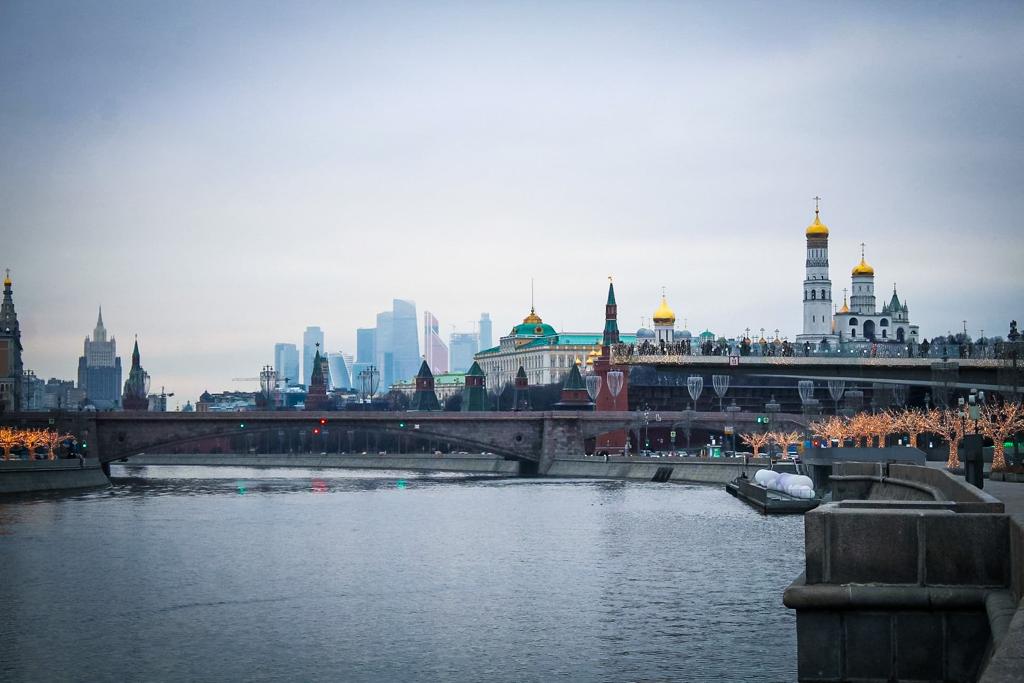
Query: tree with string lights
point(53, 441)
point(757, 440)
point(10, 439)
point(33, 439)
point(999, 421)
point(950, 425)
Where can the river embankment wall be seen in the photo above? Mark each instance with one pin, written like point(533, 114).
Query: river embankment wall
point(717, 471)
point(25, 476)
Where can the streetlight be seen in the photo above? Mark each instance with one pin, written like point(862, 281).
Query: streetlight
point(721, 385)
point(615, 386)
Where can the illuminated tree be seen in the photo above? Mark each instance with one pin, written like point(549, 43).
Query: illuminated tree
point(33, 439)
point(757, 441)
point(53, 441)
point(9, 440)
point(833, 428)
point(998, 422)
point(948, 424)
point(862, 426)
point(784, 439)
point(912, 423)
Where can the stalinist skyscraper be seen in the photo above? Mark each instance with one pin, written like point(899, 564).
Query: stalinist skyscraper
point(99, 368)
point(817, 287)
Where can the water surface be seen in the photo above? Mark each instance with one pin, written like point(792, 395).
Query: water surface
point(241, 574)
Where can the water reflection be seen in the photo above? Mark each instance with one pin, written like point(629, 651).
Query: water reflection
point(368, 576)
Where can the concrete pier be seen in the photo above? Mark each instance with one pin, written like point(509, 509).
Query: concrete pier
point(24, 476)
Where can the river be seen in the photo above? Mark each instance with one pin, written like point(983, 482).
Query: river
point(191, 573)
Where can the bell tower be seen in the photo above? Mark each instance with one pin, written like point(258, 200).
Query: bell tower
point(817, 285)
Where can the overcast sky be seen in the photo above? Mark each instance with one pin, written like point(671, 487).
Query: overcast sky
point(219, 175)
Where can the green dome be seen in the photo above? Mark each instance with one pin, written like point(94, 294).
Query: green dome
point(533, 330)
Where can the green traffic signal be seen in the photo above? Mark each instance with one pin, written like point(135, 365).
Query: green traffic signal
point(401, 425)
point(241, 425)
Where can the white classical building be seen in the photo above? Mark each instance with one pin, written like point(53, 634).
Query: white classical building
point(857, 322)
point(861, 322)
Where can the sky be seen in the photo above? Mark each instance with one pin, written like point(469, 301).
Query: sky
point(220, 175)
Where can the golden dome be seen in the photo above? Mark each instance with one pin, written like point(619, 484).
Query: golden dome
point(863, 268)
point(7, 278)
point(845, 308)
point(664, 315)
point(533, 318)
point(817, 228)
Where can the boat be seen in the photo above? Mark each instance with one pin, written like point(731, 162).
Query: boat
point(769, 501)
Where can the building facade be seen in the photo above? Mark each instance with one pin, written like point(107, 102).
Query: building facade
point(546, 355)
point(339, 372)
point(485, 331)
point(463, 347)
point(435, 351)
point(286, 362)
point(99, 368)
point(818, 309)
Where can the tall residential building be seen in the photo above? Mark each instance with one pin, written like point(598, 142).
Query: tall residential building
point(485, 331)
point(286, 362)
point(339, 374)
point(435, 351)
point(310, 338)
point(10, 352)
point(99, 368)
point(464, 346)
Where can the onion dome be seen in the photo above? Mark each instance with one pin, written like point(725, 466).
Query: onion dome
point(707, 335)
point(863, 268)
point(7, 278)
point(664, 315)
point(644, 333)
point(845, 308)
point(817, 228)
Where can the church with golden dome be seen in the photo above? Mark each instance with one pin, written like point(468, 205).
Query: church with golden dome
point(858, 322)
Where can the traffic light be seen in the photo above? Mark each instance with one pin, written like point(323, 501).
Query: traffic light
point(323, 421)
point(241, 425)
point(401, 425)
point(85, 444)
point(316, 431)
point(762, 419)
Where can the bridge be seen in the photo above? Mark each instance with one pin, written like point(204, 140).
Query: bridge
point(533, 438)
point(989, 374)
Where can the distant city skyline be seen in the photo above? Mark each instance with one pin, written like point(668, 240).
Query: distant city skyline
point(453, 152)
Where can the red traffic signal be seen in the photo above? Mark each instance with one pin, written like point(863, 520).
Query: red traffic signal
point(316, 430)
point(323, 420)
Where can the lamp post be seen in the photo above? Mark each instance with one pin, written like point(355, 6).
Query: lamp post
point(771, 408)
point(732, 409)
point(615, 386)
point(721, 385)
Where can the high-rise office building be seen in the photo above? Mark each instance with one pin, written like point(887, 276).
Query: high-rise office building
point(99, 368)
point(339, 374)
point(310, 338)
point(286, 363)
point(405, 339)
point(366, 353)
point(485, 331)
point(384, 355)
point(464, 346)
point(435, 351)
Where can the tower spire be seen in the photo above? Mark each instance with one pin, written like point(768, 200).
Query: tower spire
point(816, 200)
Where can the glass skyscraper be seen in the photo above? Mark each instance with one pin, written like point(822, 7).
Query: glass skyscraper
point(310, 338)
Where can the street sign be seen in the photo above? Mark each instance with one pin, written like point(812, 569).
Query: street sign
point(734, 361)
point(728, 430)
point(672, 434)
